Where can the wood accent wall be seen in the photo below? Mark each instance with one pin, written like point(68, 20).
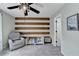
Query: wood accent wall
point(32, 26)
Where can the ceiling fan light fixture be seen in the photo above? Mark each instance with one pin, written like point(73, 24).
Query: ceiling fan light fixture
point(24, 7)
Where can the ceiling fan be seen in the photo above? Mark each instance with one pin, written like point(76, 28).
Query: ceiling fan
point(25, 7)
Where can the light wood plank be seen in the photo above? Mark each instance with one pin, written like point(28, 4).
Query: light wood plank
point(32, 30)
point(40, 21)
point(36, 23)
point(35, 35)
point(32, 26)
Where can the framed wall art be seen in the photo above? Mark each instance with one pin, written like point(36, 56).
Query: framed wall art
point(73, 22)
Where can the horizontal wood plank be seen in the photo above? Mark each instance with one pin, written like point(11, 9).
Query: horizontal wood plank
point(41, 35)
point(23, 33)
point(31, 18)
point(32, 28)
point(30, 23)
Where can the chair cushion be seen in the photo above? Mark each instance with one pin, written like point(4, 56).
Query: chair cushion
point(14, 36)
point(18, 42)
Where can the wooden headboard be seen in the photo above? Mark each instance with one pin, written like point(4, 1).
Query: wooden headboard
point(29, 27)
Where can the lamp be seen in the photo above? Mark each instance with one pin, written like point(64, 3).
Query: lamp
point(24, 7)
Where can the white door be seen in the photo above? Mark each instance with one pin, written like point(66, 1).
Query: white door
point(0, 32)
point(57, 31)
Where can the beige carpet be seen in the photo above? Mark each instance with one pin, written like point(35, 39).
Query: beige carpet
point(34, 50)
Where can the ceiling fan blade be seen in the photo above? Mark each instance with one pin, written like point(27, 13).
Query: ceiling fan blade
point(30, 3)
point(13, 7)
point(34, 10)
point(26, 13)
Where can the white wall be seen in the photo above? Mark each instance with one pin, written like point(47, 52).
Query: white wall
point(52, 17)
point(8, 23)
point(70, 41)
point(1, 47)
point(52, 29)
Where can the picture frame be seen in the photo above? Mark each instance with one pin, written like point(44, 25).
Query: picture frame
point(73, 22)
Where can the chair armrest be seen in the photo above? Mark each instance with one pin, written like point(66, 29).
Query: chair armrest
point(22, 38)
point(10, 44)
point(10, 41)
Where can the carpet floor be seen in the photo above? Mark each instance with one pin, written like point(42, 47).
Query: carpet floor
point(34, 50)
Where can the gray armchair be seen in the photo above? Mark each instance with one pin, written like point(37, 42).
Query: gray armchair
point(15, 40)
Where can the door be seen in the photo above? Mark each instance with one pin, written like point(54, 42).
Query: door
point(0, 32)
point(57, 31)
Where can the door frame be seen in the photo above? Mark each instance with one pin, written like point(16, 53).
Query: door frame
point(58, 16)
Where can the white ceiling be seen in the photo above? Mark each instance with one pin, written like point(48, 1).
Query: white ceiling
point(46, 9)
